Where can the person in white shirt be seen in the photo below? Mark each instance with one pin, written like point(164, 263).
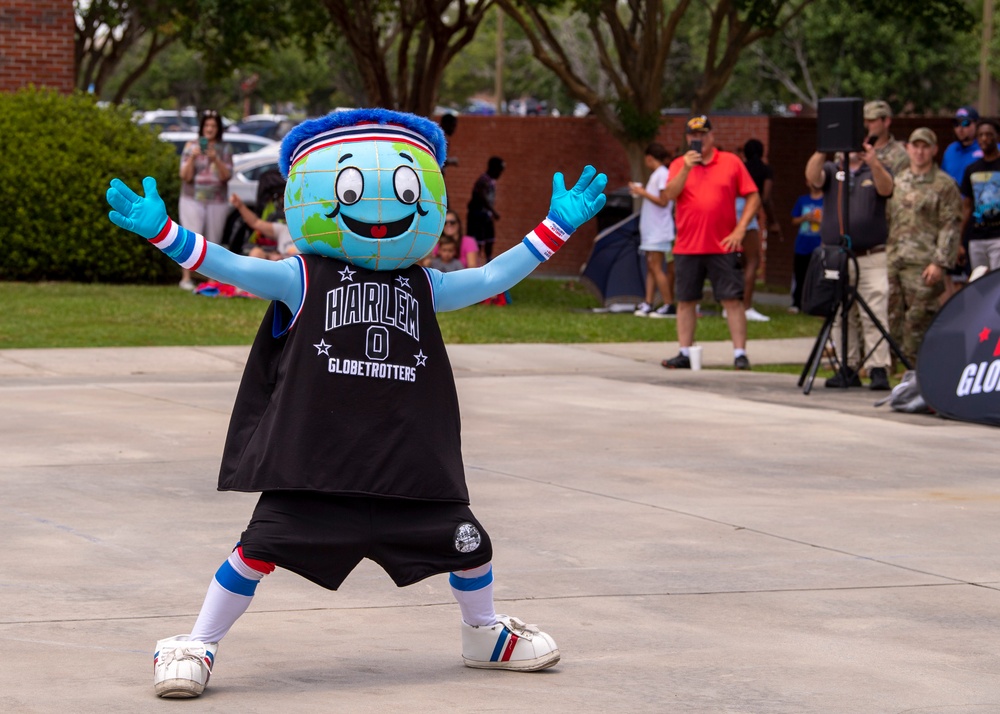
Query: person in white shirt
point(656, 234)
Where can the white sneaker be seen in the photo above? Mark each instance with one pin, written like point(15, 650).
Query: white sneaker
point(509, 644)
point(187, 285)
point(643, 309)
point(754, 316)
point(182, 666)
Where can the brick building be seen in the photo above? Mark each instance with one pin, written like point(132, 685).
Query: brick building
point(36, 44)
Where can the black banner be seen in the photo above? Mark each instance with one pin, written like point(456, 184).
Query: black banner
point(958, 365)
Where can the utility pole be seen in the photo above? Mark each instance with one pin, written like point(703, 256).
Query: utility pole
point(498, 83)
point(985, 83)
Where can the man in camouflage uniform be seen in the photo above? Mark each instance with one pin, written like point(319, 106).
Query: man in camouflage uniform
point(925, 214)
point(892, 153)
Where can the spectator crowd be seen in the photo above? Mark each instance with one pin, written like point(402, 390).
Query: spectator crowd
point(916, 231)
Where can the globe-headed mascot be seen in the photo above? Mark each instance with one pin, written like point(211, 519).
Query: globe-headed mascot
point(347, 418)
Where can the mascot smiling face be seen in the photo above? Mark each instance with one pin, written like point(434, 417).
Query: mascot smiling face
point(365, 186)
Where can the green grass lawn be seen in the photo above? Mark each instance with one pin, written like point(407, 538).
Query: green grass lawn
point(543, 310)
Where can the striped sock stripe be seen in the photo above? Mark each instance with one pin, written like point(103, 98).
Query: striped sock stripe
point(232, 581)
point(470, 584)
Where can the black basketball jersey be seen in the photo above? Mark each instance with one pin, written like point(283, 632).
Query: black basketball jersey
point(356, 397)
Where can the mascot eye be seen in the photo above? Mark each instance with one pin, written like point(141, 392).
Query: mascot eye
point(350, 184)
point(406, 184)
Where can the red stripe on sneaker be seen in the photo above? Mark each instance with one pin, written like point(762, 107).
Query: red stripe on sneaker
point(509, 650)
point(548, 237)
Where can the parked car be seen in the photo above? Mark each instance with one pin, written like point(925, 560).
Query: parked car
point(273, 126)
point(240, 143)
point(247, 169)
point(480, 107)
point(169, 120)
point(172, 120)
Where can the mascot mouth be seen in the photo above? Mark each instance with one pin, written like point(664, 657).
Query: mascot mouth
point(378, 231)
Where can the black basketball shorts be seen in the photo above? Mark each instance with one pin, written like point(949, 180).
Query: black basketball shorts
point(322, 537)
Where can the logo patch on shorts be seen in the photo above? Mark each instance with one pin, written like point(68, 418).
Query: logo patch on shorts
point(467, 538)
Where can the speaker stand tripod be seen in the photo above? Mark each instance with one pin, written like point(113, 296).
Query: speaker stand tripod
point(848, 298)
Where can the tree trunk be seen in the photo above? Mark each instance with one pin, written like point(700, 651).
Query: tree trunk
point(636, 153)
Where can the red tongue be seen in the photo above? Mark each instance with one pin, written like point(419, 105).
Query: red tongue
point(378, 231)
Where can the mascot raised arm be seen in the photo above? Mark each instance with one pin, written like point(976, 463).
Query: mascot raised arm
point(347, 418)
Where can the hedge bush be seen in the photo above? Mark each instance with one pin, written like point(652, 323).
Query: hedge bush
point(60, 153)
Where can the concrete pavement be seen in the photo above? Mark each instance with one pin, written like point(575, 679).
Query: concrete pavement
point(695, 542)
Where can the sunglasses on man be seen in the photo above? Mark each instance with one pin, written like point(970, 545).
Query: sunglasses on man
point(962, 122)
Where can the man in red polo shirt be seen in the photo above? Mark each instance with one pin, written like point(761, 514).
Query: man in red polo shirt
point(705, 186)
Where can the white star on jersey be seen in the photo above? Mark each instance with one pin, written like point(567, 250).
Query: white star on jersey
point(322, 348)
point(347, 274)
point(421, 358)
point(403, 282)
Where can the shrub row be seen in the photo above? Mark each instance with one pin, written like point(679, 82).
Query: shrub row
point(60, 153)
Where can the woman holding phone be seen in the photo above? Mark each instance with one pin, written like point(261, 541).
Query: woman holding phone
point(206, 166)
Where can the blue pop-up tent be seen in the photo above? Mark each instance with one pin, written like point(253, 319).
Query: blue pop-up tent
point(616, 269)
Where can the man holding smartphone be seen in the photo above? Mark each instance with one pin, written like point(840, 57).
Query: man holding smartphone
point(869, 185)
point(705, 183)
point(892, 153)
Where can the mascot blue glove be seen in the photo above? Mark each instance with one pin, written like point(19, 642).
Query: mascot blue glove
point(147, 216)
point(568, 210)
point(579, 204)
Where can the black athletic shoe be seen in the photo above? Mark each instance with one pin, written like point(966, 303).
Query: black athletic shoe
point(880, 380)
point(845, 377)
point(741, 362)
point(681, 361)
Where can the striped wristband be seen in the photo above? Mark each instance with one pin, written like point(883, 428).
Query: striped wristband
point(547, 238)
point(183, 246)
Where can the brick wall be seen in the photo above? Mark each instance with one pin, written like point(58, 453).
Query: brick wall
point(536, 147)
point(36, 44)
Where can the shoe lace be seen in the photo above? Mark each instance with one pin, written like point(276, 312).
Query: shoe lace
point(179, 654)
point(520, 628)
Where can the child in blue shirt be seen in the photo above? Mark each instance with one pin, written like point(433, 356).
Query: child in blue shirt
point(807, 214)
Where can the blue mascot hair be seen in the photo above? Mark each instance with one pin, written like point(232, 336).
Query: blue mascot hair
point(308, 129)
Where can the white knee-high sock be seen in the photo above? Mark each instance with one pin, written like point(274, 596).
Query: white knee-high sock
point(474, 591)
point(229, 595)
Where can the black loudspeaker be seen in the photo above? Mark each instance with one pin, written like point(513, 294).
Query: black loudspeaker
point(840, 126)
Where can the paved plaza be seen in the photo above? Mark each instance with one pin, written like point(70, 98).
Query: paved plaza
point(707, 541)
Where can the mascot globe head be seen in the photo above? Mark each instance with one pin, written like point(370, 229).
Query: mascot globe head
point(365, 186)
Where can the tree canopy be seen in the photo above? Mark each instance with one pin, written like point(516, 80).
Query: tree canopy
point(401, 47)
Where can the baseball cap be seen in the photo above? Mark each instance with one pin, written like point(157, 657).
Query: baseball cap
point(877, 109)
point(925, 135)
point(697, 124)
point(966, 116)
